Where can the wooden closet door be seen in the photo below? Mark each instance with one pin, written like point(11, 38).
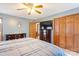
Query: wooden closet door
point(69, 32)
point(32, 29)
point(76, 32)
point(66, 32)
point(62, 32)
point(56, 32)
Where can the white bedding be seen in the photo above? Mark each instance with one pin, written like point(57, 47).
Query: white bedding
point(29, 47)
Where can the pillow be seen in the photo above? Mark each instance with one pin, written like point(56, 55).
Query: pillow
point(57, 51)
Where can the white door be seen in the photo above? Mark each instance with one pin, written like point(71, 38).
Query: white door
point(0, 29)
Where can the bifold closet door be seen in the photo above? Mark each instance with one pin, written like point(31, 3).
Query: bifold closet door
point(69, 33)
point(62, 28)
point(66, 32)
point(76, 32)
point(56, 32)
point(32, 29)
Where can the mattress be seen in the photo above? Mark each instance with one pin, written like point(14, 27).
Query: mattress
point(29, 47)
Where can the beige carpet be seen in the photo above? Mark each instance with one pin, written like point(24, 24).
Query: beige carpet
point(71, 53)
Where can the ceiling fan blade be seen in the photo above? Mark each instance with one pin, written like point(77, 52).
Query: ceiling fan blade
point(28, 4)
point(20, 9)
point(39, 12)
point(39, 6)
point(25, 4)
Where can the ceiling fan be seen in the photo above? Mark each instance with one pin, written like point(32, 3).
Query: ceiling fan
point(30, 7)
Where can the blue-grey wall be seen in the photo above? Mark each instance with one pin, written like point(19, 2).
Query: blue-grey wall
point(67, 12)
point(10, 24)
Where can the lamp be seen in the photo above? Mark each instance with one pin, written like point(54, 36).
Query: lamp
point(20, 28)
point(19, 25)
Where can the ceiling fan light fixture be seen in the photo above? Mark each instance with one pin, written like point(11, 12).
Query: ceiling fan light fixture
point(30, 8)
point(39, 12)
point(39, 6)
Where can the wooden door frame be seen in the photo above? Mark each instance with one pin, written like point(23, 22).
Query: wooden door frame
point(1, 28)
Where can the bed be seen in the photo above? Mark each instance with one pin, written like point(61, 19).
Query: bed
point(29, 47)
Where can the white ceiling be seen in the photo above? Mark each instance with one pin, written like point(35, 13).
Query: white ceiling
point(48, 9)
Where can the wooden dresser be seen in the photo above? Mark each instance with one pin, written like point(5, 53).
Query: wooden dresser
point(15, 36)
